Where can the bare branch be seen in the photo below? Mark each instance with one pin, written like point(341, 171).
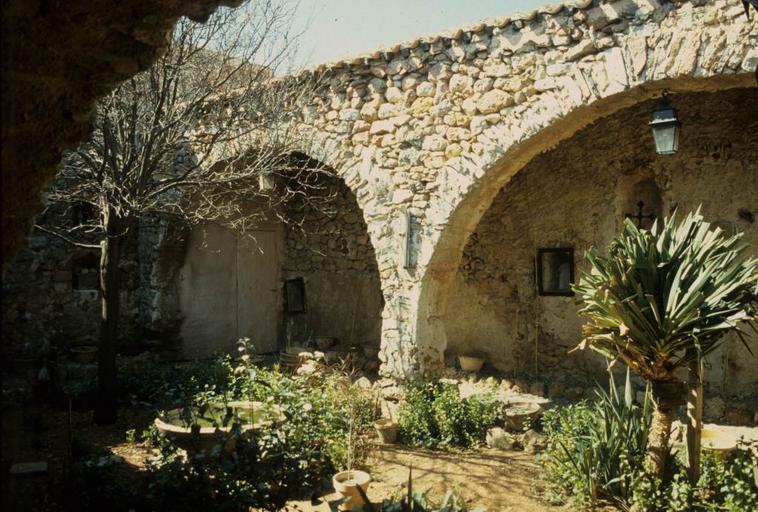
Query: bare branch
point(66, 239)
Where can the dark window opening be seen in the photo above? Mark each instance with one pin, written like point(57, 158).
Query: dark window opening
point(85, 273)
point(555, 271)
point(294, 295)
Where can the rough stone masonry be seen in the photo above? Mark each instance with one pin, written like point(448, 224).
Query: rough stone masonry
point(436, 126)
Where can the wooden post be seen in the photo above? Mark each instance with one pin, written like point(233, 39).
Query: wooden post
point(694, 419)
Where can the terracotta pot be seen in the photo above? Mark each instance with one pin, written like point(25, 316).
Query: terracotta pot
point(85, 354)
point(386, 429)
point(470, 363)
point(346, 483)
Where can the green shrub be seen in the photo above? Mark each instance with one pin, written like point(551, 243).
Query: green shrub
point(726, 484)
point(596, 453)
point(434, 415)
point(595, 450)
point(278, 463)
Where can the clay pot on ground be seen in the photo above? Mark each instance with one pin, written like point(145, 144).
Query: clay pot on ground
point(293, 357)
point(471, 363)
point(85, 354)
point(346, 484)
point(386, 429)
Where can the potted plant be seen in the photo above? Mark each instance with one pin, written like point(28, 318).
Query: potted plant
point(472, 362)
point(351, 484)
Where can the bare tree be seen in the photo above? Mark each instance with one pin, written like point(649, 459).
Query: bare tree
point(194, 137)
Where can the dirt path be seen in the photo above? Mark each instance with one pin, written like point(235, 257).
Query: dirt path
point(490, 480)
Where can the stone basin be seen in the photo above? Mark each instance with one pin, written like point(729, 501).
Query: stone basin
point(210, 426)
point(718, 438)
point(517, 414)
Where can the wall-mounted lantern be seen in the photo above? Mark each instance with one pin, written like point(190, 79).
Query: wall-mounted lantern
point(665, 125)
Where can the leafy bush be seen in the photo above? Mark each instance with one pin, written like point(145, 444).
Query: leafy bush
point(435, 415)
point(272, 465)
point(596, 450)
point(725, 484)
point(169, 386)
point(596, 453)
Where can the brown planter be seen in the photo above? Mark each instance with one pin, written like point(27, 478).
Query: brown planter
point(346, 484)
point(517, 414)
point(205, 438)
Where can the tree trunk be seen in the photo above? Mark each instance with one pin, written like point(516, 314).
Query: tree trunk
point(106, 402)
point(665, 398)
point(694, 420)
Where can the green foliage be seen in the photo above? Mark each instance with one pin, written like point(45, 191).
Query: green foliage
point(664, 298)
point(726, 484)
point(169, 386)
point(266, 468)
point(595, 450)
point(435, 415)
point(596, 453)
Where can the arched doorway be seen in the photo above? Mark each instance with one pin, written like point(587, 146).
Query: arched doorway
point(307, 269)
point(577, 194)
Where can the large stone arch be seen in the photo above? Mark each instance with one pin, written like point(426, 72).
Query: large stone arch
point(446, 257)
point(578, 194)
point(433, 127)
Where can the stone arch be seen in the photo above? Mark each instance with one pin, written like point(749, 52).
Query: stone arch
point(319, 239)
point(650, 177)
point(329, 250)
point(435, 126)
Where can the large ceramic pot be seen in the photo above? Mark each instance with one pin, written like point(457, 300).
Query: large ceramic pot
point(203, 431)
point(721, 439)
point(470, 363)
point(346, 484)
point(85, 354)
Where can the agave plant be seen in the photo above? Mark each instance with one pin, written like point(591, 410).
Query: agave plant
point(662, 300)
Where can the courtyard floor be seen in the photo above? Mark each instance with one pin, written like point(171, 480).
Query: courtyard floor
point(490, 480)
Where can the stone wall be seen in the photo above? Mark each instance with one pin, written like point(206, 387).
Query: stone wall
point(577, 195)
point(51, 297)
point(436, 126)
point(328, 246)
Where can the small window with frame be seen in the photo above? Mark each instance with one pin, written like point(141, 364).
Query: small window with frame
point(85, 273)
point(294, 295)
point(555, 271)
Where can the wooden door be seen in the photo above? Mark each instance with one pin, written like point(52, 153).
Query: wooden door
point(258, 294)
point(228, 289)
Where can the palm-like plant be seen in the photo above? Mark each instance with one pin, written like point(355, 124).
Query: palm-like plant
point(662, 300)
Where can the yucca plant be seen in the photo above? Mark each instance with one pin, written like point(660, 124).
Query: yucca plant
point(596, 449)
point(662, 300)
